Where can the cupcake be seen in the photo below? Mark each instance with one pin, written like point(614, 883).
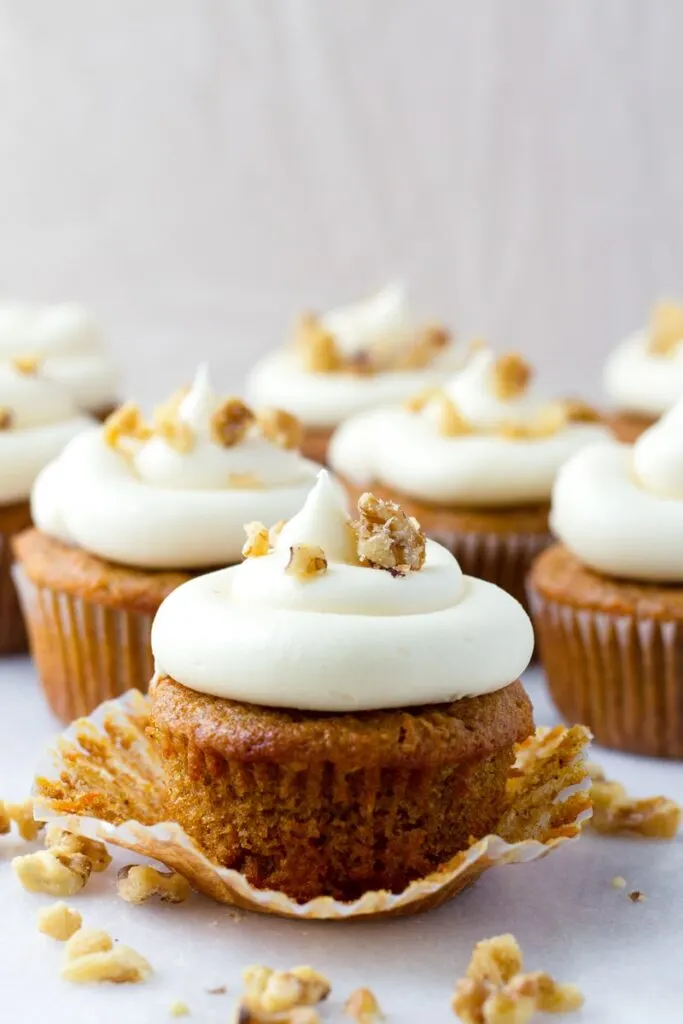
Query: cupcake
point(338, 713)
point(67, 343)
point(608, 599)
point(37, 418)
point(473, 461)
point(644, 374)
point(350, 360)
point(126, 513)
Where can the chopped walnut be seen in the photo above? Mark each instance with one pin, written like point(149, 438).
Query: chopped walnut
point(246, 1014)
point(106, 962)
point(125, 422)
point(280, 427)
point(59, 921)
point(614, 811)
point(420, 400)
point(666, 329)
point(317, 347)
point(511, 376)
point(577, 411)
point(495, 991)
point(231, 422)
point(387, 537)
point(548, 421)
point(245, 481)
point(179, 1009)
point(637, 897)
point(451, 422)
point(306, 561)
point(86, 941)
point(175, 432)
point(431, 340)
point(363, 1007)
point(28, 365)
point(65, 844)
point(257, 542)
point(139, 882)
point(6, 418)
point(52, 874)
point(22, 816)
point(274, 992)
point(5, 820)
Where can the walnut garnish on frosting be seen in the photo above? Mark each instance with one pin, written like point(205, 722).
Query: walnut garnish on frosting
point(420, 400)
point(258, 540)
point(175, 432)
point(511, 376)
point(387, 538)
point(450, 421)
point(550, 419)
point(6, 418)
point(230, 423)
point(578, 411)
point(317, 346)
point(29, 364)
point(306, 561)
point(666, 329)
point(280, 427)
point(428, 344)
point(245, 481)
point(126, 422)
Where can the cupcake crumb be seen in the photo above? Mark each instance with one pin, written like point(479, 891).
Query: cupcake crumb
point(231, 422)
point(179, 1009)
point(137, 883)
point(51, 874)
point(387, 538)
point(496, 991)
point(637, 896)
point(618, 882)
point(257, 543)
point(306, 561)
point(59, 921)
point(363, 1007)
point(614, 811)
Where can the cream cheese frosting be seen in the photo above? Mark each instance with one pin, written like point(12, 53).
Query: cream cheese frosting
point(349, 639)
point(644, 374)
point(68, 343)
point(151, 502)
point(499, 458)
point(619, 508)
point(383, 323)
point(37, 418)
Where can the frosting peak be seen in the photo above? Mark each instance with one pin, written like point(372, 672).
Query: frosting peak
point(383, 318)
point(322, 522)
point(658, 456)
point(201, 401)
point(491, 392)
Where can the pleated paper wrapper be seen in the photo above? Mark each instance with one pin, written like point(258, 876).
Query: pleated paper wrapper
point(104, 768)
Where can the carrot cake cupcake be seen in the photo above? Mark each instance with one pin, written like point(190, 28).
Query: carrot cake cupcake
point(608, 599)
point(644, 374)
point(129, 511)
point(351, 359)
point(37, 418)
point(473, 461)
point(338, 713)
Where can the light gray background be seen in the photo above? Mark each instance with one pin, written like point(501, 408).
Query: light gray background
point(199, 170)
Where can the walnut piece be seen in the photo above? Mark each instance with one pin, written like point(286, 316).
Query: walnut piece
point(126, 422)
point(511, 376)
point(66, 844)
point(179, 1009)
point(59, 921)
point(577, 411)
point(175, 432)
point(548, 421)
point(275, 992)
point(306, 561)
point(29, 364)
point(614, 811)
point(90, 956)
point(5, 820)
point(231, 422)
point(420, 400)
point(495, 991)
point(363, 1007)
point(245, 481)
point(280, 427)
point(246, 1014)
point(22, 816)
point(53, 874)
point(387, 537)
point(430, 341)
point(637, 897)
point(257, 542)
point(666, 329)
point(139, 882)
point(6, 418)
point(450, 421)
point(86, 941)
point(316, 346)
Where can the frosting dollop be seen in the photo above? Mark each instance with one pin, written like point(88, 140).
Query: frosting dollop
point(644, 374)
point(619, 508)
point(350, 638)
point(69, 345)
point(37, 418)
point(485, 439)
point(176, 496)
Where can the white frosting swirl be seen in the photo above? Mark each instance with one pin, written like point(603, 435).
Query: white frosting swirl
point(619, 508)
point(159, 508)
point(638, 381)
point(69, 344)
point(326, 399)
point(42, 418)
point(351, 639)
point(406, 451)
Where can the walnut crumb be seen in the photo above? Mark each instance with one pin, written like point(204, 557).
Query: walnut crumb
point(6, 417)
point(5, 820)
point(614, 811)
point(22, 816)
point(666, 329)
point(177, 434)
point(274, 992)
point(387, 537)
point(429, 342)
point(280, 427)
point(637, 896)
point(66, 844)
point(420, 400)
point(29, 364)
point(511, 376)
point(179, 1009)
point(90, 956)
point(306, 561)
point(231, 422)
point(577, 411)
point(257, 542)
point(451, 422)
point(317, 347)
point(495, 991)
point(126, 422)
point(363, 1007)
point(619, 882)
point(245, 481)
point(59, 921)
point(137, 883)
point(52, 873)
point(549, 419)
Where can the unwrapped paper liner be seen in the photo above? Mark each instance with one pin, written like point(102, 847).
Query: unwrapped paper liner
point(104, 768)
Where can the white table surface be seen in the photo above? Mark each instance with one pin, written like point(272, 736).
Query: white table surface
point(568, 918)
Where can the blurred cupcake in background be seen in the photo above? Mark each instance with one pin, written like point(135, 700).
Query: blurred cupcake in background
point(473, 461)
point(349, 360)
point(37, 418)
point(68, 343)
point(126, 513)
point(607, 600)
point(644, 374)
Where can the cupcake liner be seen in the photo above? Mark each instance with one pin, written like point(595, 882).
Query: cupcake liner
point(104, 768)
point(13, 638)
point(84, 652)
point(621, 675)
